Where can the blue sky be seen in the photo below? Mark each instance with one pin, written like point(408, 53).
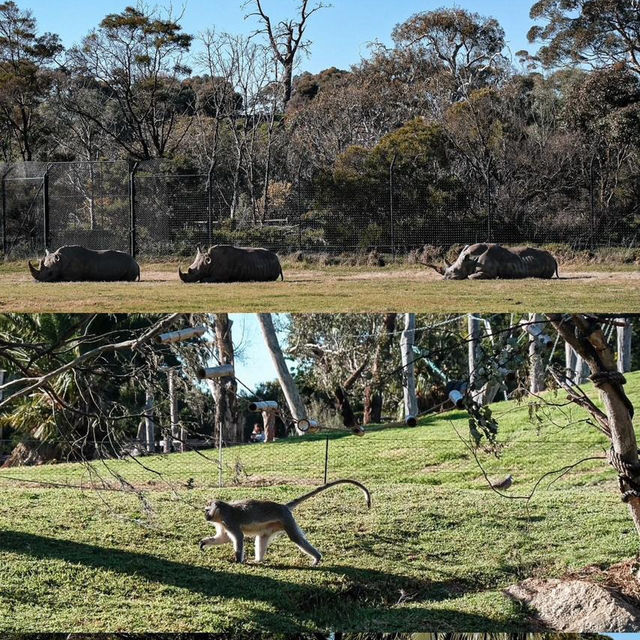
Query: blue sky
point(253, 364)
point(339, 33)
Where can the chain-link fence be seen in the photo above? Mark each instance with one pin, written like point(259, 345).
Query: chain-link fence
point(377, 458)
point(154, 209)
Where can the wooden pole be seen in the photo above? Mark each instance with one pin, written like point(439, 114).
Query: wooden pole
point(150, 426)
point(408, 370)
point(624, 345)
point(287, 383)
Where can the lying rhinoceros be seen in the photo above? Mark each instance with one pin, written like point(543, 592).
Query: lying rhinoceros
point(225, 263)
point(491, 261)
point(75, 263)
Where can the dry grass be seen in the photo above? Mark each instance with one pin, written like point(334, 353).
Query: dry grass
point(309, 288)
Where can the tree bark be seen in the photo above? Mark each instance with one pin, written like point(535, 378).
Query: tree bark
point(173, 435)
point(585, 335)
point(344, 407)
point(569, 360)
point(287, 383)
point(150, 425)
point(408, 370)
point(624, 345)
point(225, 389)
point(536, 364)
point(269, 420)
point(473, 324)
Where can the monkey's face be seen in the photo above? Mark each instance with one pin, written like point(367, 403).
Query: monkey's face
point(212, 512)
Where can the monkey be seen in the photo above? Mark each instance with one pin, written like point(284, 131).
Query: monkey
point(263, 520)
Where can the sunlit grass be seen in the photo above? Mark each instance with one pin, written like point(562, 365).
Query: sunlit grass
point(100, 561)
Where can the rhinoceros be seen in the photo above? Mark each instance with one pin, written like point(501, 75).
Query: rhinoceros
point(491, 261)
point(76, 263)
point(225, 263)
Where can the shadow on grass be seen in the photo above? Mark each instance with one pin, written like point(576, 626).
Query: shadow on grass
point(358, 598)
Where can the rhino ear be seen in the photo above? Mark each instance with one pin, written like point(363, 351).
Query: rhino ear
point(57, 257)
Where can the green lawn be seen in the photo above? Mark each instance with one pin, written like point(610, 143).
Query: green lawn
point(434, 552)
point(329, 289)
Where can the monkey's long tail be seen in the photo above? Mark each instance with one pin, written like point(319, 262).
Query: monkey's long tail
point(315, 492)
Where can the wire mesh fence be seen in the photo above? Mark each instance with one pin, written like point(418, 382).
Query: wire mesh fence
point(380, 458)
point(153, 208)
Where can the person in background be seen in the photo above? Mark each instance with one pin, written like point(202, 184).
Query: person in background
point(257, 435)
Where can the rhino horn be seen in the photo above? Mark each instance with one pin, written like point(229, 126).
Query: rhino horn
point(184, 276)
point(34, 272)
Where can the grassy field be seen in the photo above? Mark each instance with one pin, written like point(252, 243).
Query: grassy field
point(434, 553)
point(614, 288)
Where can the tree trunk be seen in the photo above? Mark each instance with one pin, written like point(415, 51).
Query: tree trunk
point(373, 391)
point(269, 420)
point(172, 435)
point(536, 364)
point(569, 360)
point(624, 345)
point(473, 324)
point(287, 383)
point(344, 407)
point(150, 425)
point(587, 338)
point(408, 370)
point(225, 389)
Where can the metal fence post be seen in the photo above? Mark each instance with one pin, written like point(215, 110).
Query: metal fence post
point(489, 207)
point(592, 239)
point(299, 207)
point(209, 207)
point(4, 212)
point(45, 208)
point(391, 190)
point(326, 460)
point(133, 166)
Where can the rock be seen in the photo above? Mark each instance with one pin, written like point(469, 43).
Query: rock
point(576, 606)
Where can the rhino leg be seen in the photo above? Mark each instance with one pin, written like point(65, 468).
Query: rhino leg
point(481, 275)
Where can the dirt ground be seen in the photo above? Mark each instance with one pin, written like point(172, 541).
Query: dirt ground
point(328, 289)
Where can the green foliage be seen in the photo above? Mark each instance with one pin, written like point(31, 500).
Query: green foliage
point(598, 32)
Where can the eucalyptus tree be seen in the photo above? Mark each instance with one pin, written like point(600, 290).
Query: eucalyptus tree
point(597, 33)
point(138, 58)
point(26, 74)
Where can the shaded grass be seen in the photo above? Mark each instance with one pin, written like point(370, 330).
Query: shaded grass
point(434, 552)
point(328, 289)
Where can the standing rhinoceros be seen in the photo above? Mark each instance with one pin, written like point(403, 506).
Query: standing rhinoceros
point(491, 261)
point(75, 263)
point(225, 263)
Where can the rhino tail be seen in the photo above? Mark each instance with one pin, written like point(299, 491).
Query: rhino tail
point(557, 274)
point(281, 274)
